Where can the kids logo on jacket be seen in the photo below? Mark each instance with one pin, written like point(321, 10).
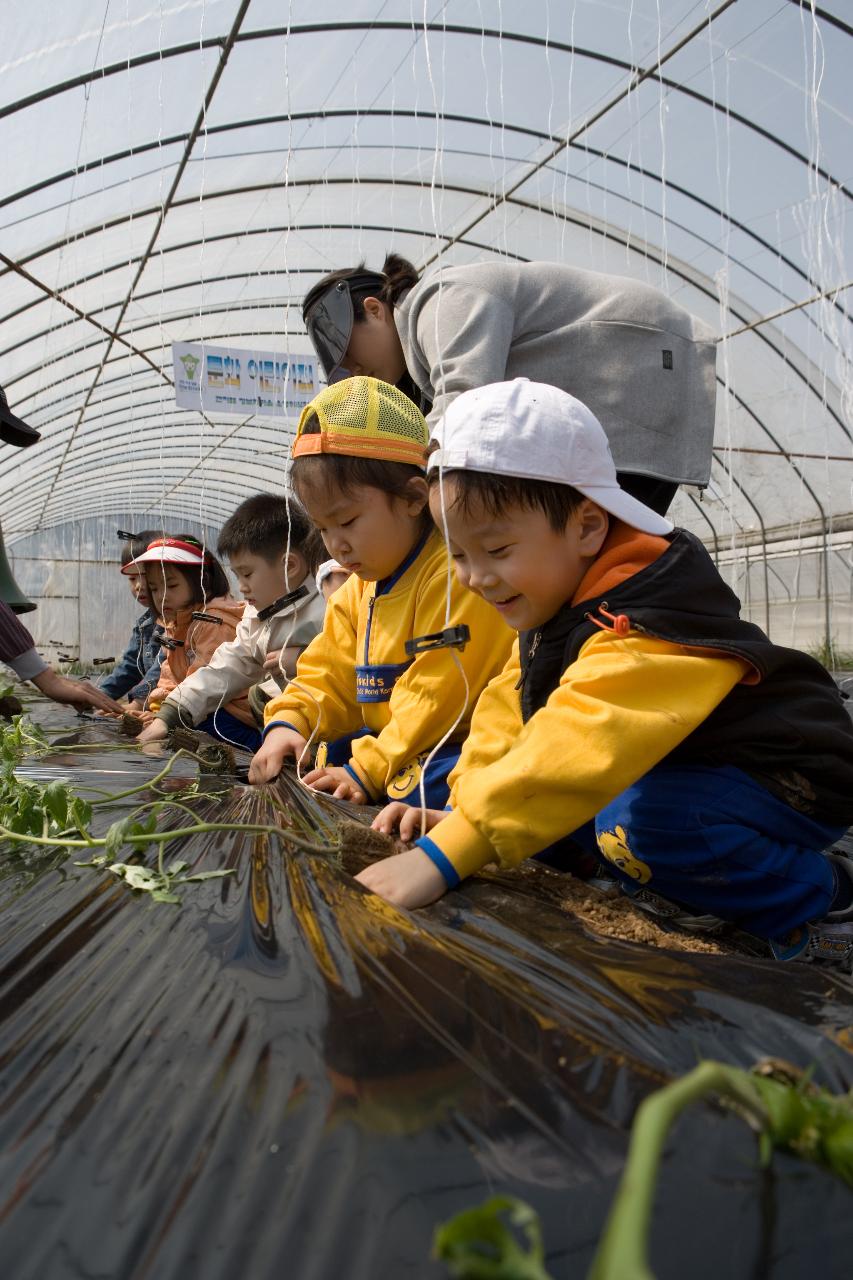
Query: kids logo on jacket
point(375, 683)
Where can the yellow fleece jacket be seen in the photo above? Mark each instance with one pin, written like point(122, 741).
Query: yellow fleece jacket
point(619, 709)
point(356, 673)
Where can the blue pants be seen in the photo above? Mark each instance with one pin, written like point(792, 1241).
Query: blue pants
point(227, 728)
point(405, 787)
point(717, 842)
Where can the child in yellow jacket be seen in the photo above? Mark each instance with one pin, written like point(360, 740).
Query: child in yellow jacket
point(380, 683)
point(705, 767)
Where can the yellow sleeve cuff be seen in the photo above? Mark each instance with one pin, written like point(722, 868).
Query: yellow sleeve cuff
point(461, 843)
point(276, 712)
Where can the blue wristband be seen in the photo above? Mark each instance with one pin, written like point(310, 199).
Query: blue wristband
point(279, 724)
point(439, 859)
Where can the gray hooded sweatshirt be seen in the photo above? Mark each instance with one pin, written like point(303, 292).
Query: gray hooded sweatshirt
point(643, 364)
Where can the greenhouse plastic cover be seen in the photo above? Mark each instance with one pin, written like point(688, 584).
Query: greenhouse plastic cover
point(284, 1076)
point(186, 171)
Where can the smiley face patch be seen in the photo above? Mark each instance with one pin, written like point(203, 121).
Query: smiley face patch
point(404, 782)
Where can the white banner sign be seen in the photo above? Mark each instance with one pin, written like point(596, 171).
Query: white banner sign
point(231, 380)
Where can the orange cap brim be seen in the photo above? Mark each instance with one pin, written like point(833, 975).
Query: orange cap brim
point(357, 446)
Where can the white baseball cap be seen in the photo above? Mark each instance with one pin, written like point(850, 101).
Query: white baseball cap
point(536, 432)
point(169, 551)
point(326, 568)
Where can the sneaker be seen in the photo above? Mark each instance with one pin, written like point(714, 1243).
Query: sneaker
point(670, 913)
point(825, 941)
point(830, 940)
point(830, 944)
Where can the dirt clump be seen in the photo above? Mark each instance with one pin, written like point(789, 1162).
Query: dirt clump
point(361, 845)
point(617, 917)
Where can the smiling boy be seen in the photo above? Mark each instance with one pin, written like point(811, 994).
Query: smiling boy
point(638, 713)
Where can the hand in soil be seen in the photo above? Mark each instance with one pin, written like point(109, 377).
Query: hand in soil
point(409, 879)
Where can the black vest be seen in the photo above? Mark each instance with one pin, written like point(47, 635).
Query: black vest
point(790, 731)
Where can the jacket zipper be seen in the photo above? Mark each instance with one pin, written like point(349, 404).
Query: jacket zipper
point(370, 608)
point(534, 646)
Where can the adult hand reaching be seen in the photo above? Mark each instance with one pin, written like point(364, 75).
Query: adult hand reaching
point(74, 693)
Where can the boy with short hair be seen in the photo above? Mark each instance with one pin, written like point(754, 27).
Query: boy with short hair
point(273, 550)
point(638, 713)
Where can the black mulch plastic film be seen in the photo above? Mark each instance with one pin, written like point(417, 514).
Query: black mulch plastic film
point(286, 1078)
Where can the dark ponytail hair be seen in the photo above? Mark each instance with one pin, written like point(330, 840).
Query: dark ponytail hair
point(397, 276)
point(136, 543)
point(400, 276)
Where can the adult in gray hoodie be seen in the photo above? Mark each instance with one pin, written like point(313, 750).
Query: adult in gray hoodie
point(644, 365)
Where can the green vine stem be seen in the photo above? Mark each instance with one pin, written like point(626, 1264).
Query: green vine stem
point(623, 1248)
point(178, 833)
point(151, 783)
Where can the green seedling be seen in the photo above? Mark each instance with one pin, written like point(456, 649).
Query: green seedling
point(52, 816)
point(778, 1101)
point(483, 1243)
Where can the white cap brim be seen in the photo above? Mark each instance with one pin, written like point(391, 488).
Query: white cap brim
point(168, 555)
point(635, 513)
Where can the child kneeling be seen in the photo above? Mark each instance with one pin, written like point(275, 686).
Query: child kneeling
point(358, 468)
point(638, 714)
point(272, 549)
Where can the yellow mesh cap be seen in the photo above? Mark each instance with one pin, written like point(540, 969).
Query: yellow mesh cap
point(364, 418)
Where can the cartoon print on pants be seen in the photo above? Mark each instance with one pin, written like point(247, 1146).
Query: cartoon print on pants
point(404, 782)
point(614, 846)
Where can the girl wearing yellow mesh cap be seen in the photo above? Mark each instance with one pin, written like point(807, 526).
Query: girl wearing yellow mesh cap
point(358, 468)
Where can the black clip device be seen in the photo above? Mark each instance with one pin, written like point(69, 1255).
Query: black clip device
point(449, 638)
point(282, 602)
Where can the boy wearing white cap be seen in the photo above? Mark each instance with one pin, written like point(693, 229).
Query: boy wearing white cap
point(330, 576)
point(638, 712)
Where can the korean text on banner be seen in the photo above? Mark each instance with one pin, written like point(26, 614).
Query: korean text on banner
point(234, 380)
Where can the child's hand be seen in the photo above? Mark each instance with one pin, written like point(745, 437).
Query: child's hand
point(342, 785)
point(147, 717)
point(276, 747)
point(271, 660)
point(283, 660)
point(154, 732)
point(406, 818)
point(408, 879)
